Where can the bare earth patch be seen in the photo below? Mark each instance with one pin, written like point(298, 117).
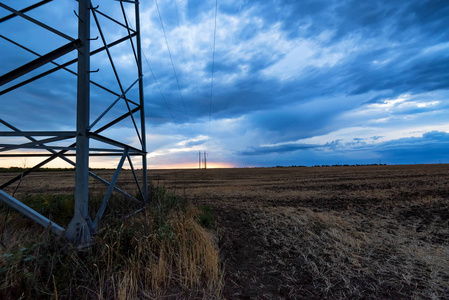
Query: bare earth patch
point(374, 232)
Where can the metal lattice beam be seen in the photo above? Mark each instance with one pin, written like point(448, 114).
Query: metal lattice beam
point(81, 228)
point(38, 62)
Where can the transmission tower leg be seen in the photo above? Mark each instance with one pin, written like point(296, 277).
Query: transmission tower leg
point(79, 229)
point(142, 106)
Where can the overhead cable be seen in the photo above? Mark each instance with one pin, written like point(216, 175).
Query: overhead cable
point(213, 69)
point(162, 95)
point(182, 40)
point(174, 69)
point(160, 90)
point(194, 56)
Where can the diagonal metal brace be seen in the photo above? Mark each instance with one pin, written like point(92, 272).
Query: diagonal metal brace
point(31, 7)
point(49, 28)
point(109, 191)
point(38, 62)
point(31, 213)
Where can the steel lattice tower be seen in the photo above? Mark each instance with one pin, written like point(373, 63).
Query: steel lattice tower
point(87, 131)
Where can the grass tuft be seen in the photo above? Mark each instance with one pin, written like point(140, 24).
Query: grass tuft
point(162, 251)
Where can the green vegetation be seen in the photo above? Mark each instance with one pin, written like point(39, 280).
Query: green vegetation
point(58, 208)
point(206, 217)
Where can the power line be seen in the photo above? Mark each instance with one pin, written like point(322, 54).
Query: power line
point(182, 39)
point(158, 86)
point(183, 54)
point(174, 69)
point(160, 90)
point(213, 69)
point(194, 56)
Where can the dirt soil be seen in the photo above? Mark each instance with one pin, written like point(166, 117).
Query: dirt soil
point(366, 232)
point(377, 232)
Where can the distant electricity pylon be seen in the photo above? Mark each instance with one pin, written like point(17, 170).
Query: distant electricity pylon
point(202, 160)
point(77, 142)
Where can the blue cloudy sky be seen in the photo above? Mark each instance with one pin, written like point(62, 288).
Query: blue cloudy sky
point(294, 83)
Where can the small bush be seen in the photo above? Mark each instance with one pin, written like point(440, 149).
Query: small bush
point(58, 208)
point(206, 217)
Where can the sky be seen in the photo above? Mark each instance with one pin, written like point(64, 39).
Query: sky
point(261, 83)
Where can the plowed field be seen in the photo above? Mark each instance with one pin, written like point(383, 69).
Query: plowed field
point(378, 232)
point(368, 232)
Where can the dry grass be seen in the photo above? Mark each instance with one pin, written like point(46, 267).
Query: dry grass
point(162, 252)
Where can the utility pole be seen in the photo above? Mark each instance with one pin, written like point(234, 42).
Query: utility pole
point(202, 160)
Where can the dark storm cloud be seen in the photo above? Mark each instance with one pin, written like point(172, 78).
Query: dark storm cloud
point(408, 26)
point(283, 71)
point(411, 71)
point(432, 147)
point(382, 50)
point(277, 149)
point(293, 123)
point(398, 20)
point(265, 97)
point(426, 18)
point(433, 137)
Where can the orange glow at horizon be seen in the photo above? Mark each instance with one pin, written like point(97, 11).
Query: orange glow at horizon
point(108, 164)
point(189, 165)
